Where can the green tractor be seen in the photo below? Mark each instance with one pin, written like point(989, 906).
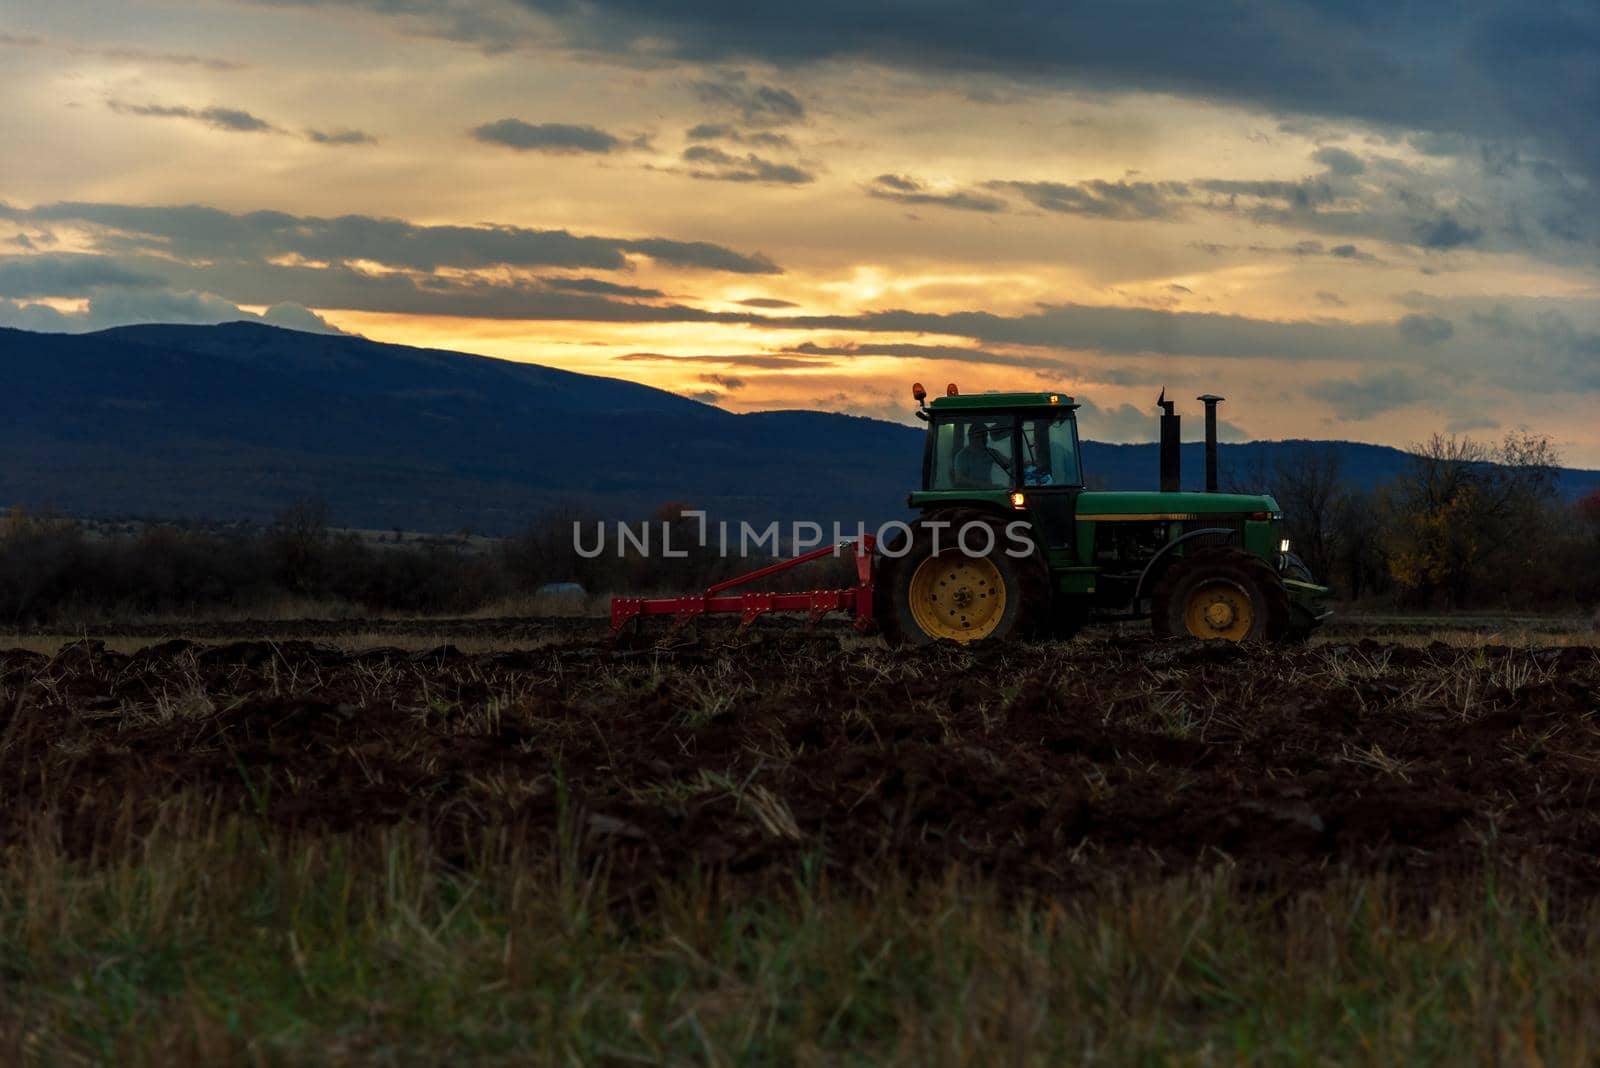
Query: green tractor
point(1009, 543)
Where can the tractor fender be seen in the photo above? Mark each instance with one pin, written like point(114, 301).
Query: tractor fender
point(1159, 562)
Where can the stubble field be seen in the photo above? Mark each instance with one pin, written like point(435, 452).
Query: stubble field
point(796, 847)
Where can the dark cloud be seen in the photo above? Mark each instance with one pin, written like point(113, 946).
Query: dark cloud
point(756, 361)
point(1399, 206)
point(1425, 329)
point(1303, 194)
point(767, 139)
point(756, 105)
point(1440, 143)
point(926, 352)
point(343, 287)
point(1363, 398)
point(1541, 350)
point(556, 137)
point(1101, 199)
point(1333, 300)
point(1445, 232)
point(1339, 161)
point(1470, 421)
point(170, 59)
point(767, 302)
point(340, 137)
point(1394, 202)
point(1061, 328)
point(905, 190)
point(1131, 331)
point(128, 54)
point(731, 383)
point(1121, 376)
point(1505, 69)
point(716, 165)
point(1117, 423)
point(1529, 340)
point(68, 275)
point(218, 118)
point(599, 286)
point(700, 254)
point(211, 234)
point(708, 131)
point(1300, 249)
point(236, 120)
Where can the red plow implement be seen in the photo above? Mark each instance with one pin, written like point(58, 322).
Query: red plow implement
point(752, 605)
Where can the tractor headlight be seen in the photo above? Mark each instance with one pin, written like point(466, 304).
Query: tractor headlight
point(1283, 546)
point(1018, 501)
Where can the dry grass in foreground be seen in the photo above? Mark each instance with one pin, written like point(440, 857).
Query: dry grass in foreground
point(206, 942)
point(792, 852)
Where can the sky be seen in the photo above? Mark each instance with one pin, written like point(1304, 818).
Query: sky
point(1364, 220)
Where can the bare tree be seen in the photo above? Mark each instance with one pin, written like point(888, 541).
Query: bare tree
point(1462, 504)
point(297, 540)
point(1362, 547)
point(1308, 484)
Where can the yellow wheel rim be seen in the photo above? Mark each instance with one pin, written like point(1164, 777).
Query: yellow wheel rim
point(1219, 609)
point(957, 597)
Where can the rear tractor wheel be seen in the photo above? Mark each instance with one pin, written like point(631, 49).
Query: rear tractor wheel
point(962, 587)
point(1221, 594)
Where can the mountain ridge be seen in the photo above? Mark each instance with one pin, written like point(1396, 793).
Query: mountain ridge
point(237, 420)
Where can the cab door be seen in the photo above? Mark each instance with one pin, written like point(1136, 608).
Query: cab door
point(1050, 479)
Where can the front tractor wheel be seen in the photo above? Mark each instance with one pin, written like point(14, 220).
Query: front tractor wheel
point(945, 587)
point(1221, 594)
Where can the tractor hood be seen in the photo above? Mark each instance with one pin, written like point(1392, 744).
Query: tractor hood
point(1093, 503)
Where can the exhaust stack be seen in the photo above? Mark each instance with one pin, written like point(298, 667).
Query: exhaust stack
point(1211, 400)
point(1171, 459)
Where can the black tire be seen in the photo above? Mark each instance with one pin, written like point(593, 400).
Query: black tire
point(1026, 579)
point(1226, 567)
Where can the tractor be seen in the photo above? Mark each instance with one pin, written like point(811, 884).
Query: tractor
point(1008, 543)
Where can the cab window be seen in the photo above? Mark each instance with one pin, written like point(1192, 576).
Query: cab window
point(1050, 450)
point(972, 452)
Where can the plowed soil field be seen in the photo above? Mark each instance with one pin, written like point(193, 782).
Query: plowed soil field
point(1051, 767)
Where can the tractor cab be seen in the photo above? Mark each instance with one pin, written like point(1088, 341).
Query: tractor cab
point(1007, 441)
point(1011, 454)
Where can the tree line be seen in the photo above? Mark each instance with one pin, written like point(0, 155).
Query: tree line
point(1468, 524)
point(55, 570)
